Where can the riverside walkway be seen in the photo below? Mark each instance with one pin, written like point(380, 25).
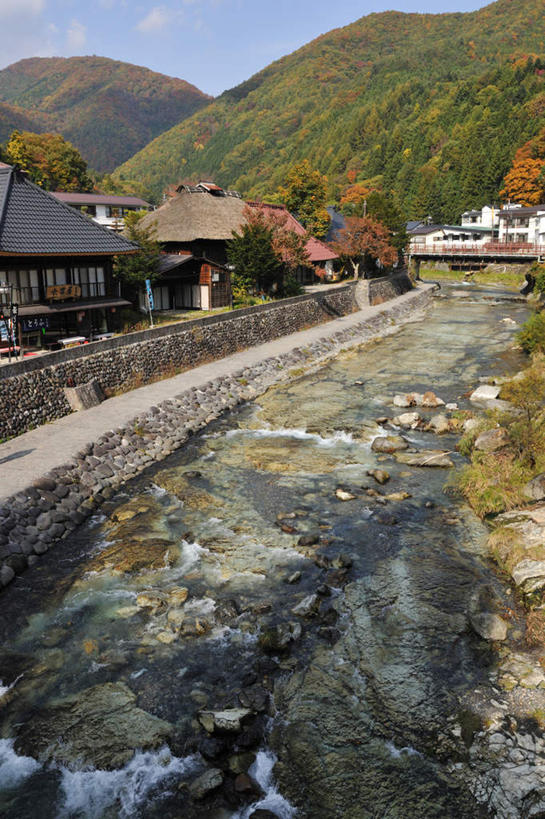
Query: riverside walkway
point(33, 454)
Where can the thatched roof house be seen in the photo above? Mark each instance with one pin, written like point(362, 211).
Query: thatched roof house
point(199, 220)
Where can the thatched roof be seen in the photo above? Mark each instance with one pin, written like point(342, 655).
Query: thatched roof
point(189, 216)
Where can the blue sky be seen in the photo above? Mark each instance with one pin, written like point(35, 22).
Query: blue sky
point(214, 44)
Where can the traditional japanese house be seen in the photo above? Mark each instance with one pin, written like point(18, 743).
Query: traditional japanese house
point(189, 282)
point(195, 226)
point(56, 264)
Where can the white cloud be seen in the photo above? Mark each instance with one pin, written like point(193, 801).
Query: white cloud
point(25, 33)
point(156, 20)
point(76, 36)
point(20, 7)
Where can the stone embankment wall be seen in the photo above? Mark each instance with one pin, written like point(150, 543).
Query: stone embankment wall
point(34, 520)
point(384, 289)
point(32, 391)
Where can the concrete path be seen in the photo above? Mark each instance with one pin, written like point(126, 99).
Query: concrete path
point(31, 455)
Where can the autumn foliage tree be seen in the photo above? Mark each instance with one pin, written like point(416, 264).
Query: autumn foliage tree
point(289, 246)
point(353, 198)
point(265, 253)
point(50, 161)
point(304, 195)
point(365, 242)
point(525, 181)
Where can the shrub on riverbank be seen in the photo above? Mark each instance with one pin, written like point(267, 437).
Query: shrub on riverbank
point(531, 336)
point(493, 482)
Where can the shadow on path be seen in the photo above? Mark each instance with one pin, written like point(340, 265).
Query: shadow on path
point(20, 454)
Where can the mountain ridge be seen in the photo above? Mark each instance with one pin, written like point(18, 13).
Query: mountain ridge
point(348, 101)
point(107, 108)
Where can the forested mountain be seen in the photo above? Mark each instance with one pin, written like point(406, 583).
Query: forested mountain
point(13, 118)
point(431, 107)
point(107, 109)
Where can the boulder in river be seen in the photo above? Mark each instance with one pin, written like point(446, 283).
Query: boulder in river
point(518, 544)
point(535, 489)
point(484, 393)
point(408, 420)
point(154, 600)
point(278, 638)
point(489, 626)
point(380, 475)
point(129, 556)
point(177, 596)
point(430, 399)
point(439, 424)
point(206, 783)
point(410, 399)
point(389, 443)
point(425, 457)
point(100, 726)
point(307, 607)
point(343, 495)
point(228, 720)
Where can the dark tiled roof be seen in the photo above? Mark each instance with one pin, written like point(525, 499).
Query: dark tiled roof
point(422, 230)
point(100, 199)
point(32, 221)
point(511, 213)
point(413, 224)
point(172, 261)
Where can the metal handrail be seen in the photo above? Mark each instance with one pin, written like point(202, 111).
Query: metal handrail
point(489, 248)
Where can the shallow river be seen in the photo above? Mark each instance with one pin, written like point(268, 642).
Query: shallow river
point(359, 707)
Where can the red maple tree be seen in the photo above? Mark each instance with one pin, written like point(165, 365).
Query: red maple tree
point(365, 241)
point(289, 246)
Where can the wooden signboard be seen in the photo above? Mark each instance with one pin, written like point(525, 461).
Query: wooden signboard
point(63, 291)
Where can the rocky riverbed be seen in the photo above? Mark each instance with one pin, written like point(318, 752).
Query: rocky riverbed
point(290, 616)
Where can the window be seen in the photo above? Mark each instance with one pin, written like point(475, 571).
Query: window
point(161, 298)
point(88, 210)
point(91, 281)
point(56, 276)
point(26, 289)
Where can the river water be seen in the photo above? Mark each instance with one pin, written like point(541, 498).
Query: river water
point(360, 713)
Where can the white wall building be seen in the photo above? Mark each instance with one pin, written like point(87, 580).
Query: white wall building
point(105, 209)
point(428, 236)
point(522, 225)
point(488, 216)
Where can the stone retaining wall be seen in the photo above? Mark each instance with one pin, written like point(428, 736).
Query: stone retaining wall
point(34, 520)
point(384, 289)
point(32, 391)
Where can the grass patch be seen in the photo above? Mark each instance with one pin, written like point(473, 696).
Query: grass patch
point(531, 335)
point(535, 636)
point(493, 482)
point(507, 279)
